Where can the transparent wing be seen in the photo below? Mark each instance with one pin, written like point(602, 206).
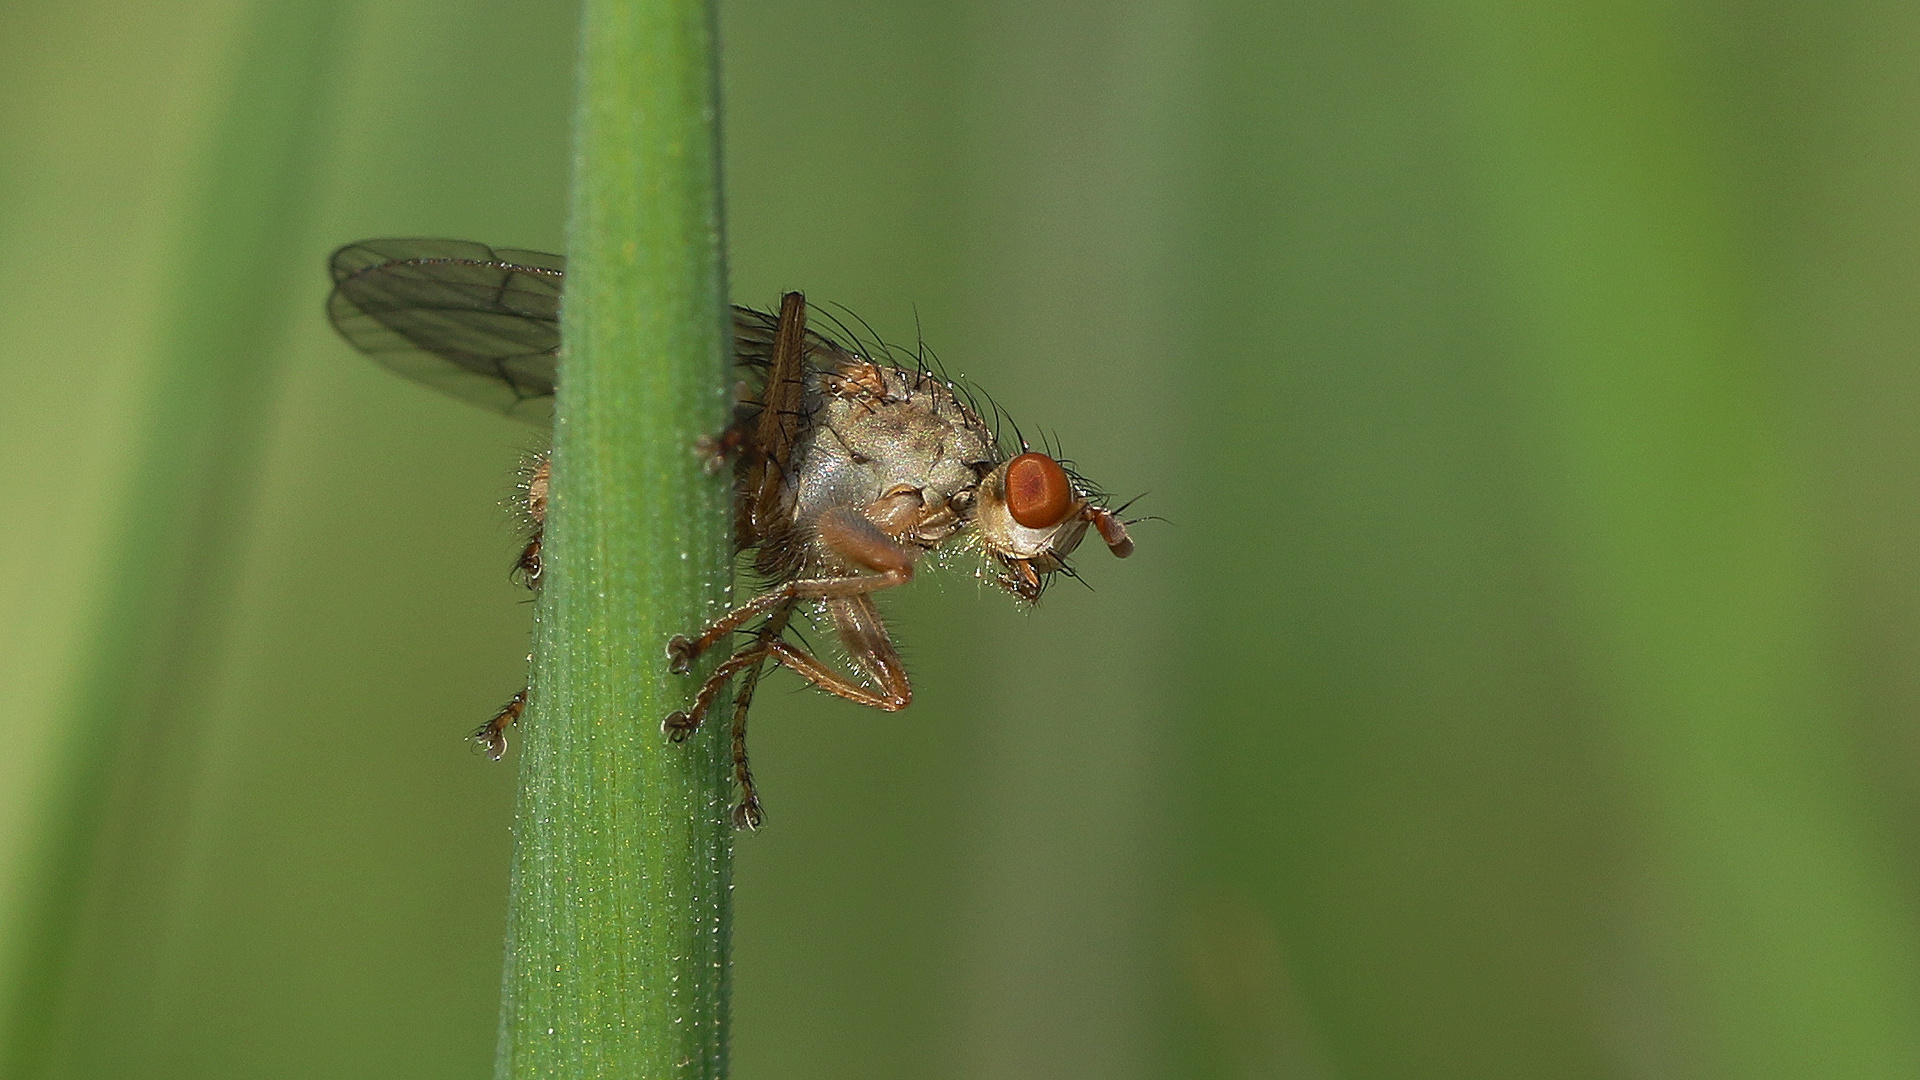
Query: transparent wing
point(480, 323)
point(781, 367)
point(755, 333)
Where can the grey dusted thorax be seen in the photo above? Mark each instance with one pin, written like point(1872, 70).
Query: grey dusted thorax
point(895, 442)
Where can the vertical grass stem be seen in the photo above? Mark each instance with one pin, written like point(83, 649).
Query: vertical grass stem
point(617, 952)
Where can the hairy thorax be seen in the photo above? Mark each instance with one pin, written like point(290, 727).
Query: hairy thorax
point(894, 442)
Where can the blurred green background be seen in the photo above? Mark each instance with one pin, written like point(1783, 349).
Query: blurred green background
point(1523, 684)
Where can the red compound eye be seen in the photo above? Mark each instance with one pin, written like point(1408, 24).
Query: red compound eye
point(1038, 494)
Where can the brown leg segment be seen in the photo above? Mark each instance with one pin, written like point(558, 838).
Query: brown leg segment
point(858, 542)
point(493, 734)
point(864, 636)
point(683, 651)
point(751, 660)
point(716, 451)
point(845, 532)
point(527, 567)
point(898, 693)
point(680, 725)
point(746, 813)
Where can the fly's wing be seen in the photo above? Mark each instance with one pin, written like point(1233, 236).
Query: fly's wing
point(756, 333)
point(778, 426)
point(785, 351)
point(480, 323)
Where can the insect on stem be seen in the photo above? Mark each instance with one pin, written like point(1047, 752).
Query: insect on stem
point(848, 466)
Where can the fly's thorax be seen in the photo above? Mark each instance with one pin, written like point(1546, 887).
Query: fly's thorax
point(895, 443)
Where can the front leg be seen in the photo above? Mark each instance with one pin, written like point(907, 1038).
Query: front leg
point(844, 532)
point(865, 636)
point(896, 692)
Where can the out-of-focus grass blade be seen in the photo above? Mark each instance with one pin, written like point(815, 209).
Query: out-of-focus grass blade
point(78, 1006)
point(1766, 930)
point(1535, 750)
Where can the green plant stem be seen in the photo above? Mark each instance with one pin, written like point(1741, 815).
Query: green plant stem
point(619, 920)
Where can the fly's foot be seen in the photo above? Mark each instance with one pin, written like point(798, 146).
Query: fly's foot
point(492, 741)
point(680, 654)
point(747, 814)
point(679, 727)
point(492, 735)
point(527, 568)
point(714, 450)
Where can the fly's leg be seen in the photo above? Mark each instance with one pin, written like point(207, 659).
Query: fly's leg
point(492, 735)
point(867, 642)
point(857, 541)
point(746, 814)
point(898, 695)
point(852, 616)
point(869, 649)
point(681, 724)
point(845, 532)
point(527, 566)
point(866, 637)
point(682, 651)
point(716, 450)
point(535, 474)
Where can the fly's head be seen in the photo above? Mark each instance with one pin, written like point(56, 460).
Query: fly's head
point(1029, 515)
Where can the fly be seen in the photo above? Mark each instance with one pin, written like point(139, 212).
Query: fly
point(847, 467)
